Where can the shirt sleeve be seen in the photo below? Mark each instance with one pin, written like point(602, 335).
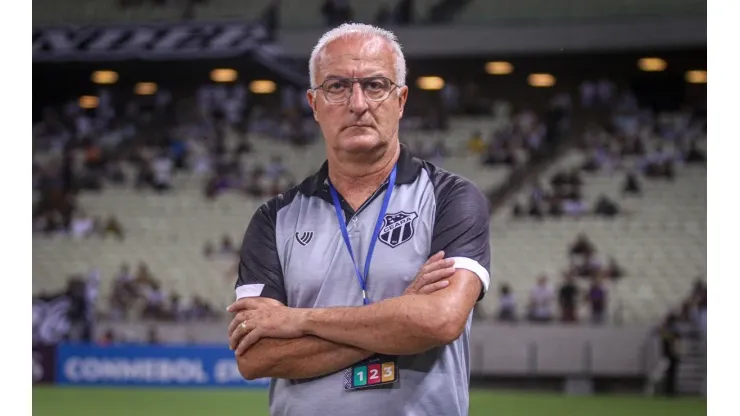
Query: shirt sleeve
point(461, 226)
point(260, 272)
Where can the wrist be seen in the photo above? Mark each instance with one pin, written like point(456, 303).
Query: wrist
point(305, 320)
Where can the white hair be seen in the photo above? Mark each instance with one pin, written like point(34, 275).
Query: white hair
point(347, 30)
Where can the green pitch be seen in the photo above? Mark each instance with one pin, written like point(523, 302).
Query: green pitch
point(58, 401)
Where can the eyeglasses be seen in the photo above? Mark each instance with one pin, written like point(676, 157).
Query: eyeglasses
point(338, 90)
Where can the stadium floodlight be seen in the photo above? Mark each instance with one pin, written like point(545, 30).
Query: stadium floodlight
point(145, 88)
point(262, 86)
point(104, 77)
point(652, 64)
point(499, 68)
point(696, 76)
point(224, 75)
point(88, 102)
point(430, 83)
point(541, 80)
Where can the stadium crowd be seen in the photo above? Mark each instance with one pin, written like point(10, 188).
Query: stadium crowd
point(140, 295)
point(143, 142)
point(643, 146)
point(548, 304)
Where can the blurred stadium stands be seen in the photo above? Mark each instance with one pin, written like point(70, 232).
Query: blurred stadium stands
point(482, 11)
point(223, 148)
point(297, 14)
point(662, 237)
point(294, 14)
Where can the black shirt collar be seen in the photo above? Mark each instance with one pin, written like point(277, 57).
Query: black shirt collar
point(407, 172)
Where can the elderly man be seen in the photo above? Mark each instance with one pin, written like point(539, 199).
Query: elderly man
point(356, 288)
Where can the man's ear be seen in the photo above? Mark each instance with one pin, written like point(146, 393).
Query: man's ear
point(311, 97)
point(403, 95)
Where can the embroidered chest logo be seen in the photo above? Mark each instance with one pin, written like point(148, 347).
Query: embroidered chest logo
point(304, 237)
point(397, 228)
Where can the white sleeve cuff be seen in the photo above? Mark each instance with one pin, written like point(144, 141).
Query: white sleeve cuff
point(475, 267)
point(249, 291)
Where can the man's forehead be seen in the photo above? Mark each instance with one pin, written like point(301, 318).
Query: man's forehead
point(351, 63)
point(356, 56)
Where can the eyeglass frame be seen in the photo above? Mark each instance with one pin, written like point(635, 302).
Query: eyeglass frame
point(351, 89)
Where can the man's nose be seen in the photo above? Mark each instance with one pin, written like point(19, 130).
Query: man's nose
point(357, 101)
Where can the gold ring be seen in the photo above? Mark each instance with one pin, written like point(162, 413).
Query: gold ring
point(244, 325)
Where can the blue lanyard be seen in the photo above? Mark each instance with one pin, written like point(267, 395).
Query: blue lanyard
point(378, 225)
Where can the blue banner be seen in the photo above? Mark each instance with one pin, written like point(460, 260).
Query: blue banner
point(165, 366)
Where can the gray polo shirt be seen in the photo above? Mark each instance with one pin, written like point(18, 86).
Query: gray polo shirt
point(293, 252)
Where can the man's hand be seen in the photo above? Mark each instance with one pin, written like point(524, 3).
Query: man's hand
point(263, 320)
point(432, 275)
point(241, 311)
